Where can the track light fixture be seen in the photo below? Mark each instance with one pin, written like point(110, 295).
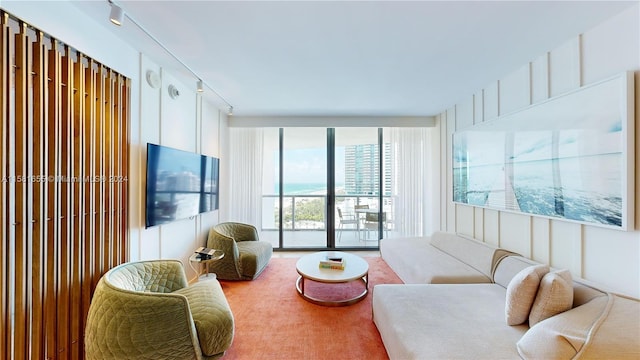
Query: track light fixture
point(230, 110)
point(200, 86)
point(117, 14)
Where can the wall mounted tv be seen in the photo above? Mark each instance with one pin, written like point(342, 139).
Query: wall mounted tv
point(180, 184)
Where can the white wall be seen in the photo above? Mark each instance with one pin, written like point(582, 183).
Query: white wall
point(608, 257)
point(188, 122)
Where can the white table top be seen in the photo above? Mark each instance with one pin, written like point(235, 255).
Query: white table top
point(355, 267)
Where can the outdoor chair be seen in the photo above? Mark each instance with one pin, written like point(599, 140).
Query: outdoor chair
point(350, 219)
point(371, 222)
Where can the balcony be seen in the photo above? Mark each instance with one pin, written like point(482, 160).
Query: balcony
point(305, 221)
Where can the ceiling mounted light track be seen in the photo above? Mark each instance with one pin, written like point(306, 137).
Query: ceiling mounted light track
point(117, 17)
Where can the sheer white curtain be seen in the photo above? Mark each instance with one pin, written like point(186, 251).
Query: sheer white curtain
point(414, 153)
point(245, 180)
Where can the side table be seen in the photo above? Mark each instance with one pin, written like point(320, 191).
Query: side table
point(203, 264)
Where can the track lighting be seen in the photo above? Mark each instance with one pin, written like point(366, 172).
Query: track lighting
point(117, 17)
point(117, 14)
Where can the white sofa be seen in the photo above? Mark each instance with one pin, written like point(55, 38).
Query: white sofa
point(452, 306)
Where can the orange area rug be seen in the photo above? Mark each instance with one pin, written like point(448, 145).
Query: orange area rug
point(273, 322)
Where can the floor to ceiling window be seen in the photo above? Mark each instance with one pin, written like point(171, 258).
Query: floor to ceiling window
point(304, 187)
point(322, 188)
point(358, 185)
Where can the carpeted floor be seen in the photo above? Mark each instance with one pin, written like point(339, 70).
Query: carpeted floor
point(274, 322)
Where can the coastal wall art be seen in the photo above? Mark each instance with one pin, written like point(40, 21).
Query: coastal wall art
point(570, 157)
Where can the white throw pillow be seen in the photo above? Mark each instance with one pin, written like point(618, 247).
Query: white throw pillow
point(521, 293)
point(555, 295)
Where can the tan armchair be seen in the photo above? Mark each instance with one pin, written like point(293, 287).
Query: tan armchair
point(146, 310)
point(245, 256)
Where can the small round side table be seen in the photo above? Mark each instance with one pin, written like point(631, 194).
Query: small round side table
point(203, 264)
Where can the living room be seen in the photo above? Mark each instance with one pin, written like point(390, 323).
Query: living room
point(606, 256)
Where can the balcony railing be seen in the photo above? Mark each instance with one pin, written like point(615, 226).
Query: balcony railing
point(308, 212)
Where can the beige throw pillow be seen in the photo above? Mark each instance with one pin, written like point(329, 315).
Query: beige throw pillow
point(521, 292)
point(555, 295)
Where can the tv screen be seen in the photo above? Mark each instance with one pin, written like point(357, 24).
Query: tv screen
point(180, 184)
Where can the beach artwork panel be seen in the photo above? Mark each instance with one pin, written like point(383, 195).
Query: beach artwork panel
point(569, 158)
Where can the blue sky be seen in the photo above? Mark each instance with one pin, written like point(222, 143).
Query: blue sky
point(310, 165)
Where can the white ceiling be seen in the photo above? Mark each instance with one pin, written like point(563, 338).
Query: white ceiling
point(351, 58)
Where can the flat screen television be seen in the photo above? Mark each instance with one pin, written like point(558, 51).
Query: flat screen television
point(180, 184)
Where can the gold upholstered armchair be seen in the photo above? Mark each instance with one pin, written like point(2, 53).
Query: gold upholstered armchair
point(146, 310)
point(245, 256)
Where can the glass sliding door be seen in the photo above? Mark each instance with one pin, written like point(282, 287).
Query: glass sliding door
point(357, 187)
point(326, 188)
point(304, 179)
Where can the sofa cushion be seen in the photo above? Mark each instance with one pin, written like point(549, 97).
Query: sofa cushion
point(444, 321)
point(562, 336)
point(211, 314)
point(616, 335)
point(474, 253)
point(583, 292)
point(509, 267)
point(428, 264)
point(554, 296)
point(521, 293)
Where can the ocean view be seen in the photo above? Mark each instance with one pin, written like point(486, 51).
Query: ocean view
point(304, 188)
point(583, 188)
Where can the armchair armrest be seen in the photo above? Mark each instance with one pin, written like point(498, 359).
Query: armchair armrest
point(228, 265)
point(222, 242)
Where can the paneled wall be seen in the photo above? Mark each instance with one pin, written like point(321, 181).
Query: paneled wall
point(64, 158)
point(189, 122)
point(607, 257)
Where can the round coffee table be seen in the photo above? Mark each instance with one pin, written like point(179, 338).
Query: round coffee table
point(356, 269)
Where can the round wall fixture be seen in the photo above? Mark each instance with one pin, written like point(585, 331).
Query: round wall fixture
point(153, 79)
point(173, 91)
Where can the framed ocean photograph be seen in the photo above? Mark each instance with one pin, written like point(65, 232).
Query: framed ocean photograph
point(570, 157)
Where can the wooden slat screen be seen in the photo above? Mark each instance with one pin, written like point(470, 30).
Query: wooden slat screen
point(63, 195)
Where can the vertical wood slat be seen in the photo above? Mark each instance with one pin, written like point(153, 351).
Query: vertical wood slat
point(5, 66)
point(38, 218)
point(68, 120)
point(77, 208)
point(115, 219)
point(117, 196)
point(88, 256)
point(64, 166)
point(106, 167)
point(98, 191)
point(112, 169)
point(21, 268)
point(52, 228)
point(125, 168)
